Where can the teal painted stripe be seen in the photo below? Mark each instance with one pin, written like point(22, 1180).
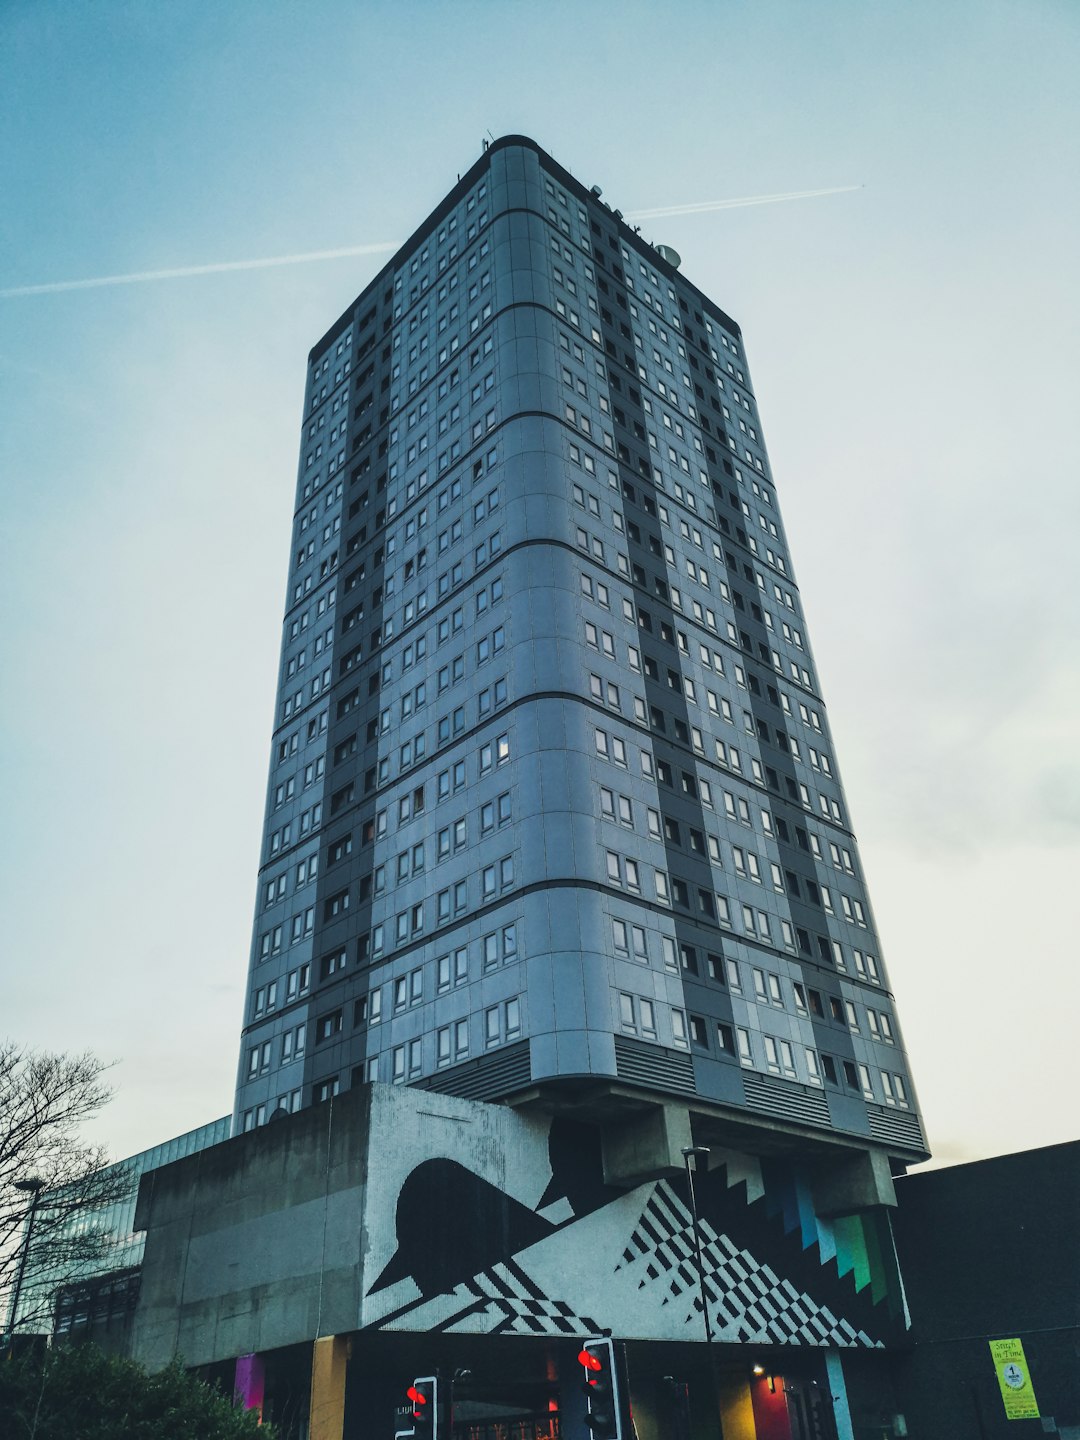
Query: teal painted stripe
point(780, 1196)
point(826, 1240)
point(807, 1219)
point(879, 1280)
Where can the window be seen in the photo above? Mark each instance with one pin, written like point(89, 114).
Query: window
point(452, 969)
point(443, 1046)
point(293, 1043)
point(499, 876)
point(327, 1026)
point(333, 963)
point(494, 752)
point(266, 998)
point(502, 1022)
point(258, 1060)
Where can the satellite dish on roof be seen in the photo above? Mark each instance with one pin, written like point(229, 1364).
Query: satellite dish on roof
point(595, 190)
point(673, 258)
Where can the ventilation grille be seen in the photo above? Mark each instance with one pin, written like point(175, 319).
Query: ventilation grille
point(488, 1078)
point(785, 1098)
point(654, 1066)
point(896, 1127)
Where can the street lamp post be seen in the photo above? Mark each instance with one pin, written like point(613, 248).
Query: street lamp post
point(698, 1153)
point(33, 1187)
point(459, 1376)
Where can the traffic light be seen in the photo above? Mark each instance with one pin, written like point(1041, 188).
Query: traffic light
point(605, 1387)
point(674, 1408)
point(424, 1396)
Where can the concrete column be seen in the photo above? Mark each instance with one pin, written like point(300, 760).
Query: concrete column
point(736, 1407)
point(329, 1362)
point(771, 1417)
point(834, 1373)
point(646, 1146)
point(249, 1385)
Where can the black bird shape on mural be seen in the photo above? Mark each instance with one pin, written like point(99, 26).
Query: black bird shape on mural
point(451, 1225)
point(577, 1168)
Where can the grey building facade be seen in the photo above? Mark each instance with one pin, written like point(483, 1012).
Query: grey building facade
point(96, 1299)
point(554, 815)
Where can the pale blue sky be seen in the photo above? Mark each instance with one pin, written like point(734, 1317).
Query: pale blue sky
point(913, 346)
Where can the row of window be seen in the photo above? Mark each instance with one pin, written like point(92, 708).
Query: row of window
point(494, 949)
point(501, 1024)
point(594, 546)
point(631, 940)
point(745, 863)
point(405, 1063)
point(296, 985)
point(412, 752)
point(637, 1016)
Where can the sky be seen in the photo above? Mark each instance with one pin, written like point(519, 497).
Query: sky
point(913, 350)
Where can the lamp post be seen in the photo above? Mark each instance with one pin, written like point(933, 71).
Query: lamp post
point(33, 1187)
point(698, 1153)
point(460, 1376)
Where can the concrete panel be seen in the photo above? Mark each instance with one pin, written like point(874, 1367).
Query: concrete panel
point(329, 1364)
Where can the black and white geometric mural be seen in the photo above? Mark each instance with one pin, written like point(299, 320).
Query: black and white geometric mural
point(519, 1234)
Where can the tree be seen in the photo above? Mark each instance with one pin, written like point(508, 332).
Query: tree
point(44, 1101)
point(78, 1393)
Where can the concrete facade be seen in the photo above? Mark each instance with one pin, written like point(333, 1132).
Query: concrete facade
point(96, 1300)
point(429, 1231)
point(382, 1211)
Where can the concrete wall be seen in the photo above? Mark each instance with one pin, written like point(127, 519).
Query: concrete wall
point(991, 1251)
point(394, 1209)
point(254, 1245)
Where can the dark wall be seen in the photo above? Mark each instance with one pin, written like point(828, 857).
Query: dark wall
point(990, 1251)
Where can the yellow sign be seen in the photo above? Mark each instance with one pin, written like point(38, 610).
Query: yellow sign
point(1014, 1380)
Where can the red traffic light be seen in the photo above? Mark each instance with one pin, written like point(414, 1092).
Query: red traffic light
point(427, 1415)
point(589, 1360)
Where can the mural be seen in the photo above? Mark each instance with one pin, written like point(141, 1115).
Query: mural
point(548, 1248)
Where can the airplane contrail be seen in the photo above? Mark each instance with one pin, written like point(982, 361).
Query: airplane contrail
point(704, 207)
point(182, 270)
point(700, 207)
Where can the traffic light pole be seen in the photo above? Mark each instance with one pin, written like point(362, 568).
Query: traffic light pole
point(699, 1152)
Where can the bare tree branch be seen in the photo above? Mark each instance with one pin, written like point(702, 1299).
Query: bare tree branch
point(44, 1101)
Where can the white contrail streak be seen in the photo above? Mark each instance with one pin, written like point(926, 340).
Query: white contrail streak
point(705, 207)
point(183, 270)
point(700, 207)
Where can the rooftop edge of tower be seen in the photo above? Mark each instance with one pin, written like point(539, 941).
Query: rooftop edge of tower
point(565, 178)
